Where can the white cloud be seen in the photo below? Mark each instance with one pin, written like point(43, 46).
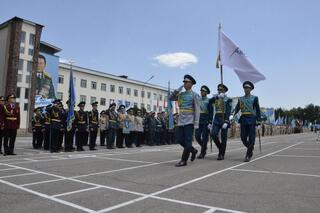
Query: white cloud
point(63, 60)
point(179, 59)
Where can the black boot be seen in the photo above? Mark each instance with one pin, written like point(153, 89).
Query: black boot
point(202, 154)
point(184, 158)
point(194, 154)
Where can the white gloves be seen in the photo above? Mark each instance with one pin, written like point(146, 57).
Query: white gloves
point(224, 126)
point(231, 118)
point(259, 127)
point(209, 126)
point(221, 95)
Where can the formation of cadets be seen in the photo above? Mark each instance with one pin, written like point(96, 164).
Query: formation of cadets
point(199, 116)
point(117, 127)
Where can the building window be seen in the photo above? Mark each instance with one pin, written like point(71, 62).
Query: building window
point(18, 92)
point(29, 66)
point(149, 95)
point(83, 98)
point(102, 101)
point(22, 37)
point(112, 88)
point(103, 87)
point(60, 95)
point(120, 90)
point(74, 81)
point(127, 103)
point(135, 93)
point(135, 104)
point(28, 79)
point(19, 78)
point(142, 94)
point(160, 97)
point(93, 85)
point(25, 107)
point(154, 96)
point(142, 105)
point(160, 108)
point(93, 99)
point(154, 108)
point(22, 50)
point(31, 39)
point(30, 52)
point(26, 94)
point(83, 83)
point(148, 107)
point(21, 64)
point(128, 91)
point(60, 79)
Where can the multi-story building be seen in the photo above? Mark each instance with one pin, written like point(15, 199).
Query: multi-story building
point(91, 85)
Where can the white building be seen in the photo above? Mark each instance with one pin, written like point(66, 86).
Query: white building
point(91, 85)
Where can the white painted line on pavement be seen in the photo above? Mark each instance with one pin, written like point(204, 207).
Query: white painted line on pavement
point(49, 197)
point(77, 191)
point(276, 172)
point(298, 156)
point(191, 181)
point(18, 175)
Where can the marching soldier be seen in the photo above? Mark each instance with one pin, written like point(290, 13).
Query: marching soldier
point(81, 125)
point(188, 118)
point(57, 126)
point(93, 125)
point(47, 127)
point(103, 128)
point(69, 135)
point(37, 129)
point(1, 122)
point(250, 117)
point(112, 119)
point(11, 115)
point(121, 118)
point(202, 133)
point(164, 134)
point(221, 106)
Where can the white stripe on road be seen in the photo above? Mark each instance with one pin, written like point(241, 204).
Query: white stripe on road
point(275, 172)
point(18, 175)
point(191, 181)
point(77, 191)
point(298, 156)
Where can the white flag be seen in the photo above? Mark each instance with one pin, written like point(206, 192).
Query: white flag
point(233, 57)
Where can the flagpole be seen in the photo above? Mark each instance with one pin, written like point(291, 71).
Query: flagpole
point(219, 43)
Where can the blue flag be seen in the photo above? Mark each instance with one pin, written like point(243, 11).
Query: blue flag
point(72, 102)
point(169, 109)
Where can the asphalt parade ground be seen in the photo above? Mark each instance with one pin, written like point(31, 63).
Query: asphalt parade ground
point(284, 177)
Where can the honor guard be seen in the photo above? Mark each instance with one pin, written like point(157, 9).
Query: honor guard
point(220, 105)
point(57, 125)
point(81, 125)
point(69, 135)
point(11, 115)
point(1, 121)
point(202, 133)
point(37, 129)
point(250, 117)
point(188, 118)
point(93, 125)
point(47, 127)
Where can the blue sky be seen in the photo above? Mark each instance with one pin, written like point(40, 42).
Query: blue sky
point(127, 36)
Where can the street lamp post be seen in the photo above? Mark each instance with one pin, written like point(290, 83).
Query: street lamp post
point(142, 96)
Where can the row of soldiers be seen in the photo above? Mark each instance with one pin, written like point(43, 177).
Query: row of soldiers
point(118, 128)
point(213, 117)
